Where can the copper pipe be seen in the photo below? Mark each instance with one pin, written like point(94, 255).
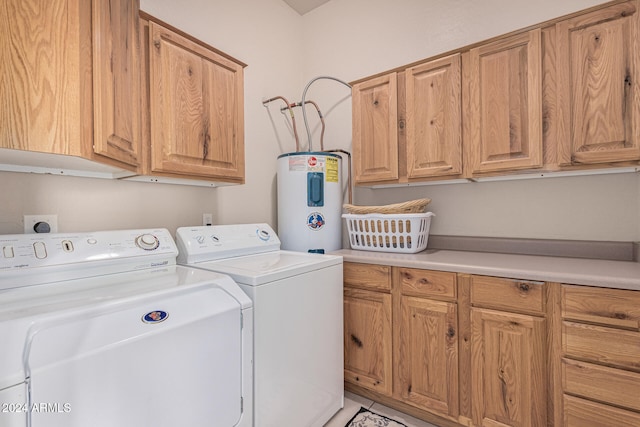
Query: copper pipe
point(293, 119)
point(299, 104)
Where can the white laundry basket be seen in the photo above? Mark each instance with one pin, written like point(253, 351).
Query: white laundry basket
point(405, 233)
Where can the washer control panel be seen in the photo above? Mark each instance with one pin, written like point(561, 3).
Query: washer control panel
point(208, 243)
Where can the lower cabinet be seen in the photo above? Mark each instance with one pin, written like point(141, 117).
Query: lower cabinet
point(427, 354)
point(425, 330)
point(367, 339)
point(468, 350)
point(508, 369)
point(478, 359)
point(600, 357)
point(367, 327)
point(508, 352)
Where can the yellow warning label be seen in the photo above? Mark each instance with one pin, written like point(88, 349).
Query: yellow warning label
point(331, 172)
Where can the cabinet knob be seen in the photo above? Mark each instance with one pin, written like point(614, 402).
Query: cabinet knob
point(401, 124)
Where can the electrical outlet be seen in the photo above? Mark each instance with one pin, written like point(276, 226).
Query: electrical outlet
point(30, 222)
point(207, 219)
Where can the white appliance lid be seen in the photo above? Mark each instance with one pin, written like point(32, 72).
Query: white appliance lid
point(267, 267)
point(23, 306)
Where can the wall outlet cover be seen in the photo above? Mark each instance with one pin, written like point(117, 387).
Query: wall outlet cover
point(30, 222)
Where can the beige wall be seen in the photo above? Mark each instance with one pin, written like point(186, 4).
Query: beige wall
point(348, 39)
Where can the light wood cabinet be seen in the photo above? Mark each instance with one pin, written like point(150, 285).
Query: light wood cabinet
point(71, 79)
point(434, 118)
point(367, 339)
point(426, 340)
point(601, 354)
point(375, 129)
point(407, 125)
point(503, 105)
point(460, 349)
point(508, 352)
point(598, 79)
point(508, 369)
point(195, 98)
point(368, 327)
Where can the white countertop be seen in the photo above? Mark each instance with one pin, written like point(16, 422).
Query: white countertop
point(578, 271)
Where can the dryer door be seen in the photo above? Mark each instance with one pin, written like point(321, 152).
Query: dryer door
point(169, 361)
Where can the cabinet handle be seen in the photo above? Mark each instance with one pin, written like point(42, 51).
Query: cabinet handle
point(527, 286)
point(401, 124)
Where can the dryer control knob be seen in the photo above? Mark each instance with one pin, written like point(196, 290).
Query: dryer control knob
point(148, 242)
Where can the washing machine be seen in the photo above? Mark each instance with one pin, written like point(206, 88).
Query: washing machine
point(104, 329)
point(298, 328)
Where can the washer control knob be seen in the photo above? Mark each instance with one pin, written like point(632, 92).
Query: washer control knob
point(263, 234)
point(148, 242)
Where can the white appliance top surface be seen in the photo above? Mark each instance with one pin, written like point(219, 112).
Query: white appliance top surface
point(20, 308)
point(268, 267)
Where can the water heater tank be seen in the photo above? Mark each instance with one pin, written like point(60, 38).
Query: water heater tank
point(310, 201)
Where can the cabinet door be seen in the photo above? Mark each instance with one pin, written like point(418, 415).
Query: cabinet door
point(599, 87)
point(375, 129)
point(505, 104)
point(427, 355)
point(39, 75)
point(367, 339)
point(196, 101)
point(116, 80)
point(434, 124)
point(508, 369)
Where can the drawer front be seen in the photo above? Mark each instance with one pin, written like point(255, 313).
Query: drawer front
point(428, 283)
point(612, 307)
point(367, 276)
point(613, 347)
point(608, 385)
point(583, 413)
point(508, 294)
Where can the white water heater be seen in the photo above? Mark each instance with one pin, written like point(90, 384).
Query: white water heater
point(310, 201)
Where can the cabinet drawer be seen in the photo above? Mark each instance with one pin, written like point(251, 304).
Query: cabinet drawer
point(583, 413)
point(608, 346)
point(368, 276)
point(510, 294)
point(428, 282)
point(608, 385)
point(613, 307)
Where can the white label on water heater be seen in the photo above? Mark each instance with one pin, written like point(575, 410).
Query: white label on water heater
point(306, 163)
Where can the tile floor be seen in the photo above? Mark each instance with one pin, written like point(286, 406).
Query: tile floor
point(352, 404)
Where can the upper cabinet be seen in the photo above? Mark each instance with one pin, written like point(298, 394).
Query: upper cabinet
point(434, 121)
point(375, 129)
point(111, 92)
point(504, 106)
point(599, 86)
point(71, 79)
point(116, 81)
point(563, 95)
point(407, 125)
point(196, 109)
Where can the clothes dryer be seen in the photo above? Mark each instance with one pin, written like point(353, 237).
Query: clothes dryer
point(103, 329)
